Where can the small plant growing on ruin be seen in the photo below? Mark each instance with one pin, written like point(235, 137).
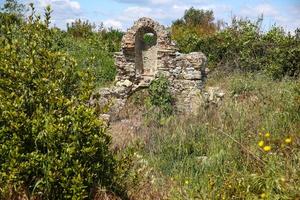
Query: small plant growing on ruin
point(160, 100)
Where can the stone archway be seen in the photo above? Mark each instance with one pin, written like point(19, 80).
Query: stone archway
point(137, 60)
point(146, 52)
point(139, 63)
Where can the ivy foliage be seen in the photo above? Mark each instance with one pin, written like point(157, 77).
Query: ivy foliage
point(51, 143)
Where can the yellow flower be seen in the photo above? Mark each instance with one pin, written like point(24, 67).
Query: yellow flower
point(260, 133)
point(261, 143)
point(267, 135)
point(288, 140)
point(267, 148)
point(186, 182)
point(263, 195)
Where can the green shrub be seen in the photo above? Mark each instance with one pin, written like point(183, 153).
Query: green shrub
point(93, 49)
point(281, 53)
point(242, 85)
point(93, 53)
point(243, 46)
point(193, 25)
point(237, 47)
point(109, 38)
point(160, 100)
point(12, 12)
point(80, 29)
point(112, 39)
point(51, 143)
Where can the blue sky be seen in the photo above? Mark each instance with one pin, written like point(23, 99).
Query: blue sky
point(122, 13)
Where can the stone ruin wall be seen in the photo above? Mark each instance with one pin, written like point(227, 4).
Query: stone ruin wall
point(137, 66)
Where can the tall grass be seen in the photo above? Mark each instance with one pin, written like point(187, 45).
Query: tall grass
point(219, 154)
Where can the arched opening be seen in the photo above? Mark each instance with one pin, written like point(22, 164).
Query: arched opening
point(146, 52)
point(150, 40)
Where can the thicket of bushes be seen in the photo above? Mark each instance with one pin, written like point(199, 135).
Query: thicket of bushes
point(52, 144)
point(242, 45)
point(93, 47)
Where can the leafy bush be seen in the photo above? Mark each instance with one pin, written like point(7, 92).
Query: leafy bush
point(92, 52)
point(160, 100)
point(242, 85)
point(93, 48)
point(243, 46)
point(52, 144)
point(80, 29)
point(237, 47)
point(194, 24)
point(12, 12)
point(112, 39)
point(281, 53)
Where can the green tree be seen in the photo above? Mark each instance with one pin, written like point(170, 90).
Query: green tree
point(13, 6)
point(80, 28)
point(193, 25)
point(12, 12)
point(200, 22)
point(195, 17)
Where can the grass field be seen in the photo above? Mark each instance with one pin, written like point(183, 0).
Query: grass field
point(245, 148)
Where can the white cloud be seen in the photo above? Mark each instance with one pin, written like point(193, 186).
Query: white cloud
point(265, 9)
point(285, 16)
point(288, 22)
point(69, 21)
point(68, 4)
point(161, 2)
point(164, 11)
point(180, 8)
point(135, 12)
point(113, 23)
point(132, 14)
point(64, 11)
point(74, 5)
